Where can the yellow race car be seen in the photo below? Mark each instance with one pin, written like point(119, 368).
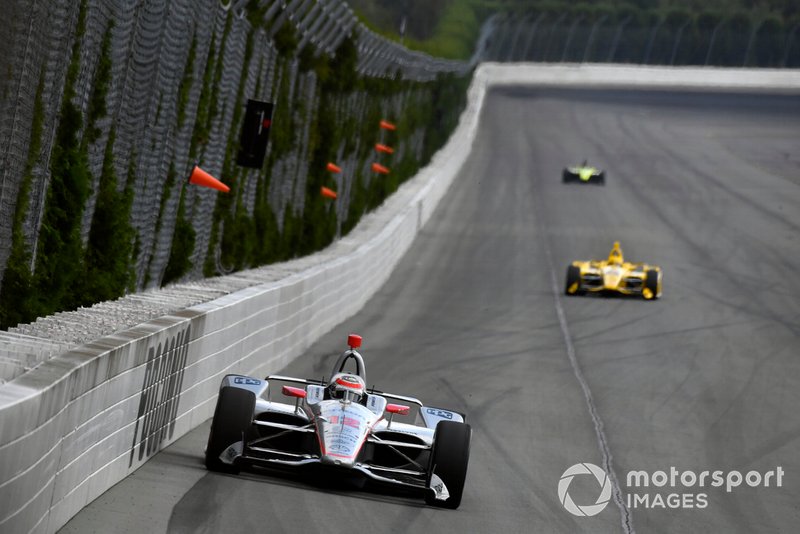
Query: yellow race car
point(614, 275)
point(583, 174)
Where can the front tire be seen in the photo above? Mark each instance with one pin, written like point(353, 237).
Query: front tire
point(449, 460)
point(651, 283)
point(573, 277)
point(233, 418)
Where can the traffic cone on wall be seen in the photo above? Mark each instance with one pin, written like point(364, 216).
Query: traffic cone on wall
point(383, 148)
point(202, 178)
point(377, 167)
point(333, 168)
point(386, 125)
point(327, 193)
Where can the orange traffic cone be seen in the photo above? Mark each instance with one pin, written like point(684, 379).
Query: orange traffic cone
point(383, 148)
point(202, 178)
point(386, 125)
point(327, 193)
point(377, 167)
point(333, 168)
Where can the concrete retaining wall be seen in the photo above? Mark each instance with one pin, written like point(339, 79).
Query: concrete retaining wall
point(79, 423)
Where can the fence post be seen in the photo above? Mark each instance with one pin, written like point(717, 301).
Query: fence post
point(506, 38)
point(617, 37)
point(569, 37)
point(550, 35)
point(515, 40)
point(789, 42)
point(677, 42)
point(711, 42)
point(649, 48)
point(750, 41)
point(596, 25)
point(530, 36)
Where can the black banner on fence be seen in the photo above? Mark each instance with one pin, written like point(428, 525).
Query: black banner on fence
point(255, 134)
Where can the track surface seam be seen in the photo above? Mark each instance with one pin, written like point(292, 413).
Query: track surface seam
point(605, 449)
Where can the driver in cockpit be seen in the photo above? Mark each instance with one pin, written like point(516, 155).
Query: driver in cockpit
point(347, 387)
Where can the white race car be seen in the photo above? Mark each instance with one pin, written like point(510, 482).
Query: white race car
point(341, 428)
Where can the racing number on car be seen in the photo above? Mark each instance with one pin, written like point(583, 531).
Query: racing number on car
point(345, 421)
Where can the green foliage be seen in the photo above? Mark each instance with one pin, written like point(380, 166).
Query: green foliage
point(282, 131)
point(203, 116)
point(456, 33)
point(421, 16)
point(769, 46)
point(342, 76)
point(286, 40)
point(186, 82)
point(102, 79)
point(59, 261)
point(15, 294)
point(358, 204)
point(292, 235)
point(109, 251)
point(166, 192)
point(444, 28)
point(448, 97)
point(238, 243)
point(266, 247)
point(306, 58)
point(182, 245)
point(16, 302)
point(215, 85)
point(677, 17)
point(255, 10)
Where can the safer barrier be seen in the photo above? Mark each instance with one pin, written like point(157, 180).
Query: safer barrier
point(79, 423)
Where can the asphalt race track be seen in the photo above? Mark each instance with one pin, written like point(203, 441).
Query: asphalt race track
point(708, 378)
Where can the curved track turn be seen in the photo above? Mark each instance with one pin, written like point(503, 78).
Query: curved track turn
point(705, 185)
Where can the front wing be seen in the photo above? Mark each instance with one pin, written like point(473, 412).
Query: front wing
point(257, 452)
point(633, 281)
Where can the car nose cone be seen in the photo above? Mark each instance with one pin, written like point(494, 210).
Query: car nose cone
point(612, 278)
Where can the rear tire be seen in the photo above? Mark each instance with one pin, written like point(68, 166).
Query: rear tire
point(233, 418)
point(449, 461)
point(573, 276)
point(601, 178)
point(651, 282)
point(565, 176)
